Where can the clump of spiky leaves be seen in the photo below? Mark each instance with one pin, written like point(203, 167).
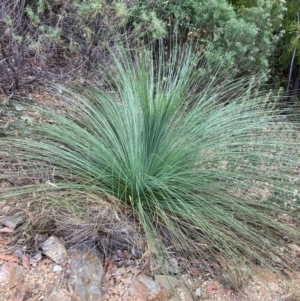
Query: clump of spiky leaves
point(204, 168)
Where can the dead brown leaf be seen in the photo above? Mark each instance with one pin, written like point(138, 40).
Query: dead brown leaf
point(6, 230)
point(9, 257)
point(25, 261)
point(289, 273)
point(4, 242)
point(109, 264)
point(146, 267)
point(211, 289)
point(33, 261)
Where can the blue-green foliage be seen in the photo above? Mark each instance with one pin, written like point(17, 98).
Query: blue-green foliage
point(207, 179)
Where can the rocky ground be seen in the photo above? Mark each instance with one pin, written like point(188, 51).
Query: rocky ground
point(53, 272)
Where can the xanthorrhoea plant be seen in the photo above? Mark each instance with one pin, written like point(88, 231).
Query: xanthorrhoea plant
point(205, 168)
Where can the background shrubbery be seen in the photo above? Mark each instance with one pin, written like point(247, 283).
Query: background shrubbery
point(53, 39)
point(290, 44)
point(242, 40)
point(283, 26)
point(48, 39)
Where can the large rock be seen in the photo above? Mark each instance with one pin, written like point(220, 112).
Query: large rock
point(3, 294)
point(11, 274)
point(175, 298)
point(11, 221)
point(19, 293)
point(59, 294)
point(175, 287)
point(168, 282)
point(85, 276)
point(54, 249)
point(145, 289)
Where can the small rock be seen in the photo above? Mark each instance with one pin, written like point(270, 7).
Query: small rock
point(11, 274)
point(11, 221)
point(295, 193)
point(173, 285)
point(121, 291)
point(35, 259)
point(19, 108)
point(189, 296)
point(198, 292)
point(39, 240)
point(37, 256)
point(59, 294)
point(120, 271)
point(19, 254)
point(54, 249)
point(144, 288)
point(172, 266)
point(136, 252)
point(126, 295)
point(86, 275)
point(56, 268)
point(2, 294)
point(19, 293)
point(6, 209)
point(168, 282)
point(28, 119)
point(126, 281)
point(294, 247)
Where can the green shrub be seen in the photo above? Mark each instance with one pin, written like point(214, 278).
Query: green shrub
point(284, 30)
point(290, 40)
point(242, 40)
point(66, 37)
point(208, 180)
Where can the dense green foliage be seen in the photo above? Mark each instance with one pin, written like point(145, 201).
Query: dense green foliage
point(205, 179)
point(288, 51)
point(291, 39)
point(56, 38)
point(242, 41)
point(283, 25)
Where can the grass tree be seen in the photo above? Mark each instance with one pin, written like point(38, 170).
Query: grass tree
point(205, 168)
